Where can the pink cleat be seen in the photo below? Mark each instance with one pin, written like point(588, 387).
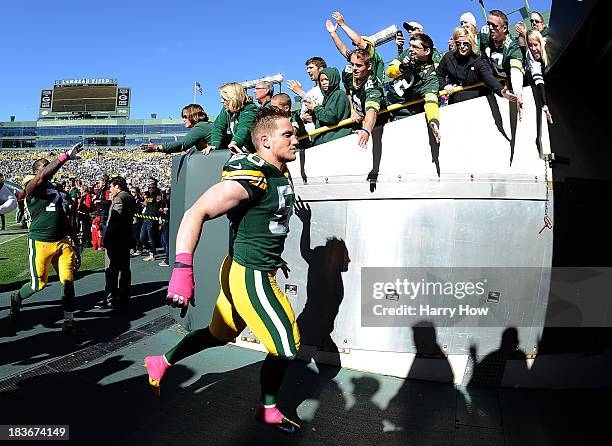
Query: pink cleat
point(274, 417)
point(156, 367)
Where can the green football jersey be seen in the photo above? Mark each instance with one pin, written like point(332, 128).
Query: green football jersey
point(412, 86)
point(378, 65)
point(48, 212)
point(367, 96)
point(502, 58)
point(260, 226)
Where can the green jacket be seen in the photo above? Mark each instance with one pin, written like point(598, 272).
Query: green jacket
point(335, 108)
point(234, 127)
point(196, 136)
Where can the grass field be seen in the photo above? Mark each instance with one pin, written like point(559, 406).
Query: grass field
point(14, 269)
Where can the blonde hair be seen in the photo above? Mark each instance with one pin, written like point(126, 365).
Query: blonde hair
point(533, 34)
point(235, 96)
point(465, 32)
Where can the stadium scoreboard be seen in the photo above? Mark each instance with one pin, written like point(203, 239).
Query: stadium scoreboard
point(85, 98)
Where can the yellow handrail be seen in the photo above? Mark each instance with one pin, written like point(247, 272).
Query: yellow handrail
point(392, 107)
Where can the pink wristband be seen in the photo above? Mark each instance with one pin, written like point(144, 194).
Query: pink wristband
point(184, 258)
point(62, 158)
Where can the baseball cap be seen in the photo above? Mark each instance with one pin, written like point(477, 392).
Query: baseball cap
point(408, 26)
point(468, 17)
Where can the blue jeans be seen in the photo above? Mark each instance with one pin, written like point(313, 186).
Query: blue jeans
point(165, 240)
point(148, 230)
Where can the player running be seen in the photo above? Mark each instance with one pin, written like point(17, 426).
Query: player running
point(256, 192)
point(49, 237)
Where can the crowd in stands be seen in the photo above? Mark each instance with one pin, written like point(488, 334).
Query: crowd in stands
point(364, 94)
point(130, 163)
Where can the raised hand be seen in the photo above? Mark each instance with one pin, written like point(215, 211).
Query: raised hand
point(73, 152)
point(338, 17)
point(296, 87)
point(331, 27)
point(302, 210)
point(400, 40)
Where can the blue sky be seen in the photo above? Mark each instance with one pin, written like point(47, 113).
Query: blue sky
point(159, 48)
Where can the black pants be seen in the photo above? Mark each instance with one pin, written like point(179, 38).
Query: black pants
point(3, 221)
point(86, 233)
point(119, 262)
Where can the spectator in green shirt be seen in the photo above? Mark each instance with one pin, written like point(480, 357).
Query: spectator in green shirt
point(232, 128)
point(335, 107)
point(264, 90)
point(200, 129)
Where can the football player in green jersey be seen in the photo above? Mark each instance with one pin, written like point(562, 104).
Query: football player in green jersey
point(256, 192)
point(48, 237)
point(414, 77)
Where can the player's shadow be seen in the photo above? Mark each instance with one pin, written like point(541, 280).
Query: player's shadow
point(325, 292)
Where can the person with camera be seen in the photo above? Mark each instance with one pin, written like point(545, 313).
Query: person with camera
point(414, 78)
point(461, 67)
point(51, 239)
point(198, 136)
point(365, 93)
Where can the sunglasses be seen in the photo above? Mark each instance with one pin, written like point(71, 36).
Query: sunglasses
point(463, 44)
point(492, 25)
point(535, 21)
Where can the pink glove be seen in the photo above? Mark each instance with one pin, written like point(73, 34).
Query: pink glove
point(180, 288)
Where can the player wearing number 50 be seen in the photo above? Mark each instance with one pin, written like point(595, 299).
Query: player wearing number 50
point(415, 78)
point(48, 238)
point(256, 192)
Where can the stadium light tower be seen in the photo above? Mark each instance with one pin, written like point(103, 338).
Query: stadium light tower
point(275, 79)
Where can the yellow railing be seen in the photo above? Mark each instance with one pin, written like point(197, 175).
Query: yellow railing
point(390, 108)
